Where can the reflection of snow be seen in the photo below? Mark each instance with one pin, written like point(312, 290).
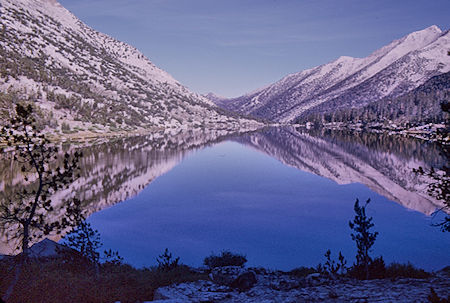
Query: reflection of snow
point(384, 172)
point(118, 170)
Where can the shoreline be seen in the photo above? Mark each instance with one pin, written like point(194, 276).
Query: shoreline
point(277, 286)
point(430, 132)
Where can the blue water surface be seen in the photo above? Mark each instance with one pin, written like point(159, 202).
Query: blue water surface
point(232, 197)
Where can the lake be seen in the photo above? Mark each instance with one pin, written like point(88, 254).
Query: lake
point(280, 196)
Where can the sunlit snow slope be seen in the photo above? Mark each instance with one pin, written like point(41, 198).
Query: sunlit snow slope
point(348, 82)
point(87, 79)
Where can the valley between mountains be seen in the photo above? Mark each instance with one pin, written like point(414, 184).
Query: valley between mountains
point(273, 174)
point(84, 82)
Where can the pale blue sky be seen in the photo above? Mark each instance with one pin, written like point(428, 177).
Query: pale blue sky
point(231, 47)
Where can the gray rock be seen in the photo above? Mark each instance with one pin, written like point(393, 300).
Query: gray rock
point(279, 287)
point(244, 281)
point(285, 284)
point(234, 276)
point(316, 279)
point(47, 249)
point(226, 275)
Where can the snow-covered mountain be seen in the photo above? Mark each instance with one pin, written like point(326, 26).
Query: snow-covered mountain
point(215, 98)
point(347, 82)
point(420, 105)
point(81, 79)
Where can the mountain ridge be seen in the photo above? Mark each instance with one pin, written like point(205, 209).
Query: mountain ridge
point(392, 70)
point(418, 106)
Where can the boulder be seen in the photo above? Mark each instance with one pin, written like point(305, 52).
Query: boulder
point(234, 276)
point(244, 281)
point(226, 275)
point(286, 284)
point(47, 249)
point(315, 279)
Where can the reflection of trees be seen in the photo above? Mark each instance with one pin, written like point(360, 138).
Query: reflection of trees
point(383, 163)
point(439, 188)
point(400, 146)
point(113, 171)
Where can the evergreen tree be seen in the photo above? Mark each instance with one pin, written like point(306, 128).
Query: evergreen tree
point(86, 240)
point(26, 214)
point(363, 237)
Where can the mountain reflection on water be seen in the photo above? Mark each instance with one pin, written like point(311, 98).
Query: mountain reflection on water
point(118, 169)
point(382, 162)
point(111, 171)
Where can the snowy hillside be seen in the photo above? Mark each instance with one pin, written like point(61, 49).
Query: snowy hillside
point(346, 82)
point(85, 80)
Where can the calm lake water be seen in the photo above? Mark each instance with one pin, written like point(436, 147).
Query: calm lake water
point(282, 197)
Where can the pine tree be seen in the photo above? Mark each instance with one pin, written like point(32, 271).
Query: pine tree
point(27, 212)
point(363, 237)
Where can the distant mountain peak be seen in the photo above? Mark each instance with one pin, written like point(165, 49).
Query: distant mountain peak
point(216, 99)
point(433, 28)
point(424, 36)
point(54, 2)
point(214, 96)
point(345, 58)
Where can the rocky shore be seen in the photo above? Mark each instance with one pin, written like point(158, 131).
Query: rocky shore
point(235, 284)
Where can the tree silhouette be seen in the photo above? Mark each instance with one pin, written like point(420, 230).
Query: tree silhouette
point(331, 267)
point(166, 262)
point(26, 213)
point(87, 241)
point(364, 239)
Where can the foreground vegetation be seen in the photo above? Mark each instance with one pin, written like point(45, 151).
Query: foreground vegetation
point(76, 274)
point(54, 280)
